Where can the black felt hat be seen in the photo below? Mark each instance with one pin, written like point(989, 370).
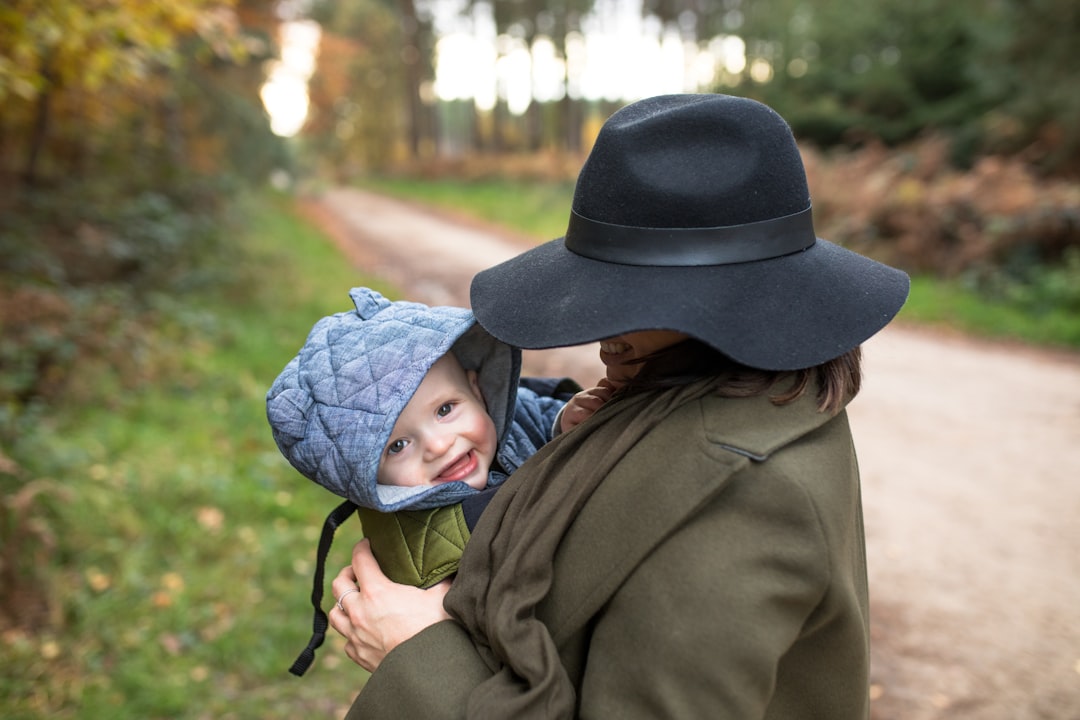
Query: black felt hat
point(692, 213)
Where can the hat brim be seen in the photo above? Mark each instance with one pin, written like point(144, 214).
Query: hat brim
point(784, 313)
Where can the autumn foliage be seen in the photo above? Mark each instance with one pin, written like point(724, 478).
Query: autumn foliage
point(127, 127)
point(911, 207)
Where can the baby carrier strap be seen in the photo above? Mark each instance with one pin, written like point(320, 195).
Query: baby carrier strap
point(321, 622)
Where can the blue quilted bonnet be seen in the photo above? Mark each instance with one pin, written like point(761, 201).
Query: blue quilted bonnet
point(333, 407)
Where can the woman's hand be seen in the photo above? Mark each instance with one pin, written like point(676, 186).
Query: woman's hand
point(582, 406)
point(377, 614)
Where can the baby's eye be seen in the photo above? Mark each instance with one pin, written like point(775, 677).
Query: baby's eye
point(444, 409)
point(396, 446)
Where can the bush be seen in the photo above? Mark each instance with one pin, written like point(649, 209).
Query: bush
point(913, 209)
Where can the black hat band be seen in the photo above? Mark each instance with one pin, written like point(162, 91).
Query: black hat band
point(725, 245)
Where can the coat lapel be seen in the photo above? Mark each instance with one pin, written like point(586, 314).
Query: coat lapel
point(654, 490)
point(625, 519)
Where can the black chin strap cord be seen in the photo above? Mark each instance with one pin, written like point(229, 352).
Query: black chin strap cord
point(337, 516)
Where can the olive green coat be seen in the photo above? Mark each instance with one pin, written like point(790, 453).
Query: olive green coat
point(718, 572)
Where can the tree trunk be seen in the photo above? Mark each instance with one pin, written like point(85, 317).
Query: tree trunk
point(570, 111)
point(410, 56)
point(40, 130)
point(172, 124)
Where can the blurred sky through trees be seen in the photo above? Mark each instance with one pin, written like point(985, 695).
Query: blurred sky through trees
point(619, 54)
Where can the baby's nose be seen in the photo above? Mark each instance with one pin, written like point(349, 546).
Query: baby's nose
point(437, 444)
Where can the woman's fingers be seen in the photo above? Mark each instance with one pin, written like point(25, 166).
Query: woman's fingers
point(378, 614)
point(342, 583)
point(365, 569)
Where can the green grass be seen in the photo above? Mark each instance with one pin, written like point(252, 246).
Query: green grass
point(537, 209)
point(179, 543)
point(540, 210)
point(951, 304)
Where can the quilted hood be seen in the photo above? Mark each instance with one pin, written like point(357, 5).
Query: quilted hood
point(333, 407)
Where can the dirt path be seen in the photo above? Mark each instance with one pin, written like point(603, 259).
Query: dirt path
point(970, 454)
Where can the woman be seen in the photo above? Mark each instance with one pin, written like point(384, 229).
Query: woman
point(695, 549)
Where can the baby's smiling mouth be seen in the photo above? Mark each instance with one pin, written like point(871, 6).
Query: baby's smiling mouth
point(459, 469)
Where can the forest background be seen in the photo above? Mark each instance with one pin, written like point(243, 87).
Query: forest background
point(153, 545)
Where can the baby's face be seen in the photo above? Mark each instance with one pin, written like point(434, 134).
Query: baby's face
point(444, 433)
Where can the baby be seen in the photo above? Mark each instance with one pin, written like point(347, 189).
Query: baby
point(414, 415)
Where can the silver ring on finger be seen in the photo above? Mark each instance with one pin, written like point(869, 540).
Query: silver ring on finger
point(343, 595)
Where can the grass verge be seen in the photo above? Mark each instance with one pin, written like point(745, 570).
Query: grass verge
point(951, 304)
point(534, 208)
point(173, 543)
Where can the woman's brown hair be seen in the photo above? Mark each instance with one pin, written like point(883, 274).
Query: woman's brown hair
point(837, 380)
